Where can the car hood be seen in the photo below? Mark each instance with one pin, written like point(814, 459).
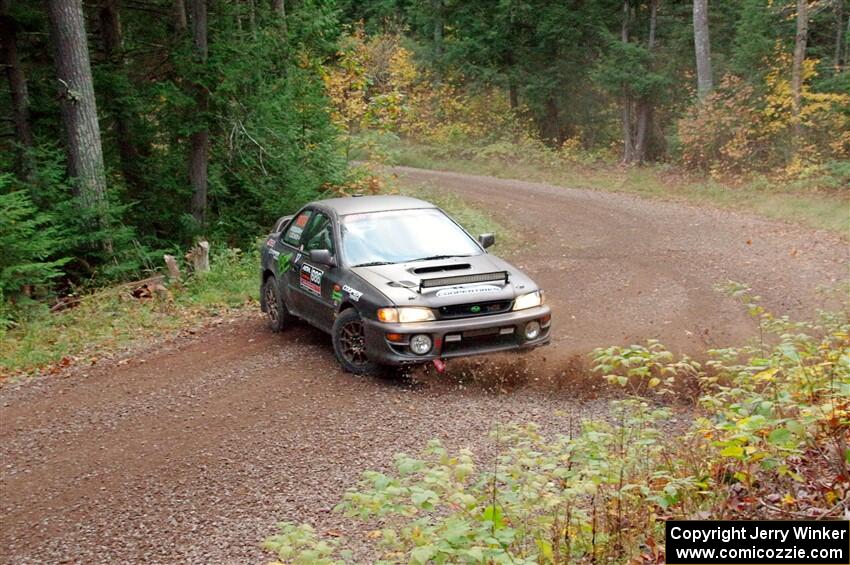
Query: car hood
point(400, 282)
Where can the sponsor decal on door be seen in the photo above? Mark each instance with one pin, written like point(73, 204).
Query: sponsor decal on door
point(311, 279)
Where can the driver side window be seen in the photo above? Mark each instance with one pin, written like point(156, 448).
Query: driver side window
point(319, 234)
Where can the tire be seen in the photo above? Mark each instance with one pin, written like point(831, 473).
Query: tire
point(350, 343)
point(276, 312)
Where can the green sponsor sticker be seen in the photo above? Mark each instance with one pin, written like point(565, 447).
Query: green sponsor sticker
point(284, 262)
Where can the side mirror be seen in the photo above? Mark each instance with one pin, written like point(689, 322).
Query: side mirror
point(487, 240)
point(323, 257)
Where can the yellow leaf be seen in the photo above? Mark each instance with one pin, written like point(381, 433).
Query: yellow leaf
point(766, 375)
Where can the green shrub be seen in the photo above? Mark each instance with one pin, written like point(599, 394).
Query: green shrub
point(31, 243)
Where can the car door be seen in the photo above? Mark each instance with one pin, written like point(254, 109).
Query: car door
point(289, 258)
point(316, 281)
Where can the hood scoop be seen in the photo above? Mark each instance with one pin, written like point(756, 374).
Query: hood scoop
point(441, 268)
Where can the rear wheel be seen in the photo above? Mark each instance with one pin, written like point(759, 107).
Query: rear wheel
point(278, 316)
point(349, 341)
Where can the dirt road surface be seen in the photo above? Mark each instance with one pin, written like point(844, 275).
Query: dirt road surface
point(190, 449)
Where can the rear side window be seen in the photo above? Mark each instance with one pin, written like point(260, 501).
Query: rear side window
point(296, 228)
point(279, 225)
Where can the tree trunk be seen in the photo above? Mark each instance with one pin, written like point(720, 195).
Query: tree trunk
point(513, 94)
point(839, 35)
point(437, 7)
point(180, 21)
point(279, 7)
point(438, 29)
point(200, 138)
point(17, 81)
point(626, 114)
point(172, 267)
point(644, 107)
point(110, 28)
point(199, 257)
point(797, 69)
point(549, 124)
point(702, 47)
point(77, 104)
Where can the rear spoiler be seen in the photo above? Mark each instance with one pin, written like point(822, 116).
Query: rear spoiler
point(498, 276)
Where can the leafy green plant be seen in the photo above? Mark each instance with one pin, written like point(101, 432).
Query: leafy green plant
point(644, 367)
point(593, 495)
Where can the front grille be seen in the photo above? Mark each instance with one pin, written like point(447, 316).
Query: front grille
point(472, 344)
point(474, 309)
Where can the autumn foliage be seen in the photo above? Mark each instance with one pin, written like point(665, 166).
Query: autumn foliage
point(742, 128)
point(377, 85)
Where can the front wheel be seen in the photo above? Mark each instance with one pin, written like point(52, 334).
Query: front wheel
point(349, 341)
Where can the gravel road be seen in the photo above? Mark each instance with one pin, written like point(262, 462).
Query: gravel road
point(189, 450)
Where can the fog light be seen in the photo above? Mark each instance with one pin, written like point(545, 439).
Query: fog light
point(532, 330)
point(420, 344)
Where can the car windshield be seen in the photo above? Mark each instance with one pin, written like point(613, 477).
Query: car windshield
point(399, 236)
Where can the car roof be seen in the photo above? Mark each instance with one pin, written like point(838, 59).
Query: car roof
point(366, 204)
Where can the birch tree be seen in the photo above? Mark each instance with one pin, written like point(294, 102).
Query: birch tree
point(797, 70)
point(702, 48)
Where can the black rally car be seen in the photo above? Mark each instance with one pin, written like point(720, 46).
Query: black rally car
point(396, 281)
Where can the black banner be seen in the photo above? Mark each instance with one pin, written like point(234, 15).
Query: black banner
point(758, 542)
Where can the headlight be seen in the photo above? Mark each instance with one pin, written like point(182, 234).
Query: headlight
point(529, 300)
point(405, 315)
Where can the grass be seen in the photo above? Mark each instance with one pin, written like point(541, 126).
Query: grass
point(112, 318)
point(828, 210)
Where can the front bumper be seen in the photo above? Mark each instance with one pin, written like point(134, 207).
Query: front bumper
point(460, 337)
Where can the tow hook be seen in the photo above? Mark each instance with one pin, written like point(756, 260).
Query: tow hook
point(440, 365)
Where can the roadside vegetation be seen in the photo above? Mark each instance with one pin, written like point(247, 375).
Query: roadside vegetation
point(770, 440)
point(94, 325)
